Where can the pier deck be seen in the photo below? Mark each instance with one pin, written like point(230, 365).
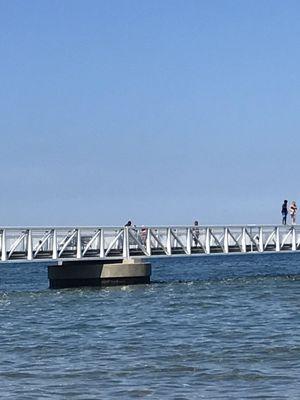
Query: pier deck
point(121, 243)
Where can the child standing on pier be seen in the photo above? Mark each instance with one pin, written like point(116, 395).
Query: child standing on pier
point(293, 212)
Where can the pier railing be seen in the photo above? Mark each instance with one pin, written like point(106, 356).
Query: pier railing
point(54, 243)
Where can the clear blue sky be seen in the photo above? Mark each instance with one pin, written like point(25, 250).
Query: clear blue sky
point(158, 111)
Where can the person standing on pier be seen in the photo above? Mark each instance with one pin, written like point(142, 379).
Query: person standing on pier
point(293, 212)
point(284, 212)
point(196, 233)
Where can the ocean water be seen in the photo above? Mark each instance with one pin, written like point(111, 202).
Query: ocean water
point(217, 327)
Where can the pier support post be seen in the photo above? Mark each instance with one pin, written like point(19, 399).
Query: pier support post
point(277, 239)
point(260, 240)
point(93, 273)
point(244, 242)
point(3, 246)
point(294, 244)
point(226, 242)
point(207, 241)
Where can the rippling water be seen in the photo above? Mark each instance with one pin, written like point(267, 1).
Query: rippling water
point(219, 327)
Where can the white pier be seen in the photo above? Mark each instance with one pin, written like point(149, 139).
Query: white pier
point(23, 244)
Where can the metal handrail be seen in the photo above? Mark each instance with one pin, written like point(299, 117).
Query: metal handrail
point(86, 242)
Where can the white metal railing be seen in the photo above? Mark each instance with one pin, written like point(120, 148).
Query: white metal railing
point(53, 243)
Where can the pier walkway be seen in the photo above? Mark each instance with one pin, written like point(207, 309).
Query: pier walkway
point(23, 244)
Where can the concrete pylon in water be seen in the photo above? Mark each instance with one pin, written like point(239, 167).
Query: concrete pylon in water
point(70, 274)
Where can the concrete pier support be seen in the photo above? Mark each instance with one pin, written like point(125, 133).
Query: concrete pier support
point(86, 273)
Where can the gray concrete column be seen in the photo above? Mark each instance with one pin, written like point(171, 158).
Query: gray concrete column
point(86, 273)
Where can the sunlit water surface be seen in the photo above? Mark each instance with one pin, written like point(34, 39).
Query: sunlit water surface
point(219, 327)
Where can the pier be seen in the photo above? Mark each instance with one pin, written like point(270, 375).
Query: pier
point(117, 255)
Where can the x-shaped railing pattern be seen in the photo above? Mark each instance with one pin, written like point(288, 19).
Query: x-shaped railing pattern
point(53, 243)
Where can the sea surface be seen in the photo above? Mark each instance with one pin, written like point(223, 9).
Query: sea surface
point(216, 327)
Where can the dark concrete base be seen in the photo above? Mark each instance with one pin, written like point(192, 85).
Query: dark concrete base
point(72, 283)
point(78, 274)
